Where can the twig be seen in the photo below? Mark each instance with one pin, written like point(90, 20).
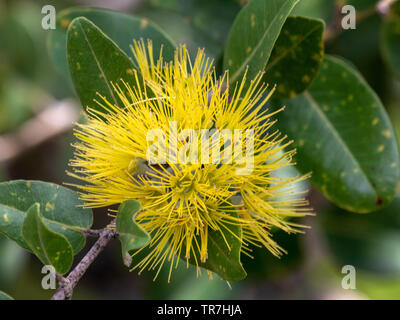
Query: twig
point(68, 284)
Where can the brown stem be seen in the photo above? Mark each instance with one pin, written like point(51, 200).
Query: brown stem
point(335, 29)
point(68, 284)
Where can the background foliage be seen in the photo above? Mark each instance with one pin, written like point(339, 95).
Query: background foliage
point(342, 95)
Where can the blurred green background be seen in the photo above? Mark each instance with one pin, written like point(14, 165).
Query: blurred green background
point(30, 86)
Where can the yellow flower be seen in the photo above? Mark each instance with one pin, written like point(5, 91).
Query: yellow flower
point(184, 197)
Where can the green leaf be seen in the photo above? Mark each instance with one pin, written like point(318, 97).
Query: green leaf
point(131, 234)
point(253, 35)
point(17, 98)
point(5, 296)
point(121, 28)
point(223, 260)
point(60, 210)
point(345, 138)
point(296, 56)
point(391, 39)
point(11, 221)
point(50, 247)
point(94, 62)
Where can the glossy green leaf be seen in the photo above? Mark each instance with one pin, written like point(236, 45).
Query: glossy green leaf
point(5, 296)
point(391, 39)
point(95, 61)
point(50, 247)
point(253, 35)
point(121, 28)
point(344, 137)
point(263, 265)
point(296, 56)
point(223, 260)
point(131, 234)
point(60, 210)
